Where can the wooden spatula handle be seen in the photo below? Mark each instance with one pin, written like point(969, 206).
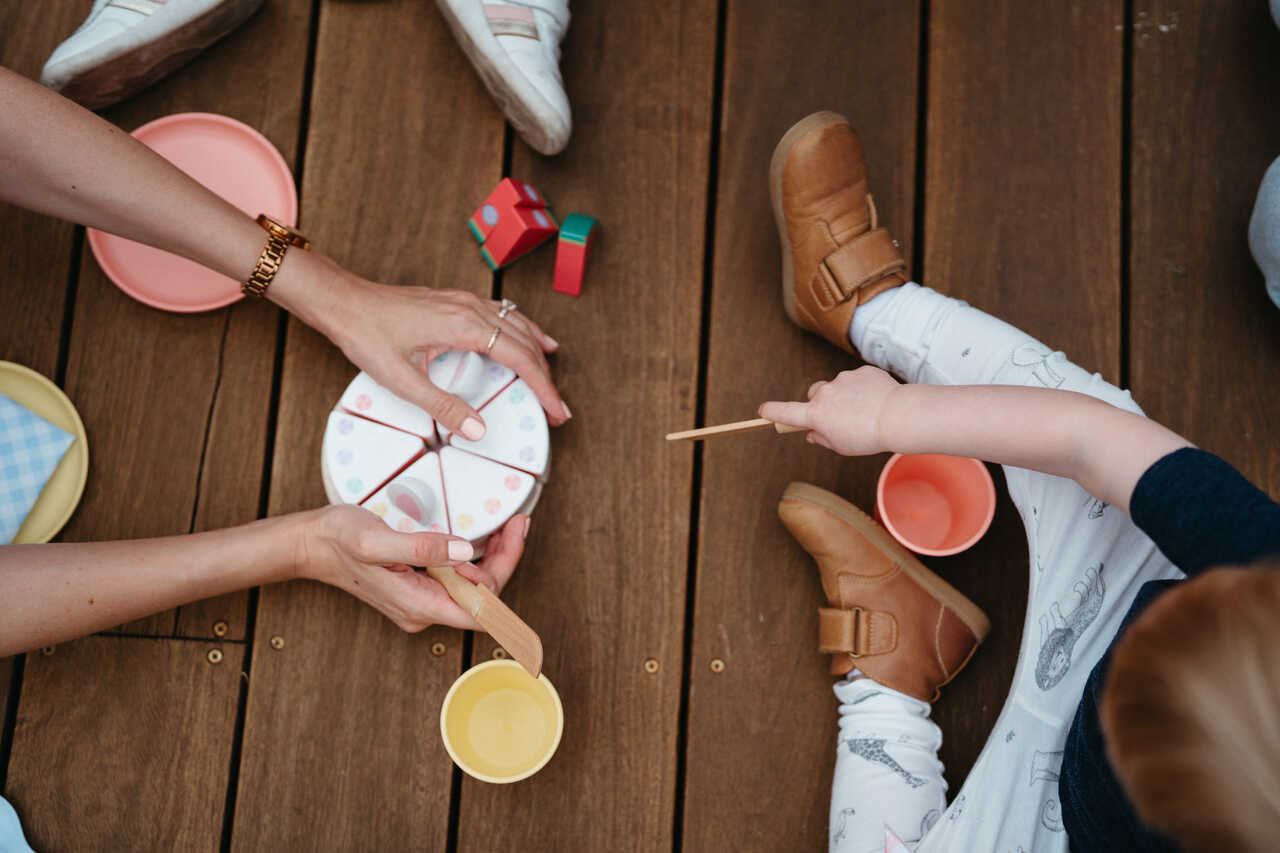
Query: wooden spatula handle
point(788, 428)
point(461, 590)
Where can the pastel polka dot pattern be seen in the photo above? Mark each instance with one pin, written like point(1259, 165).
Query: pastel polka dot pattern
point(370, 401)
point(489, 214)
point(515, 431)
point(489, 498)
point(377, 447)
point(360, 454)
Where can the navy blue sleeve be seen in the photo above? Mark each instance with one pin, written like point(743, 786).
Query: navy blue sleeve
point(1203, 513)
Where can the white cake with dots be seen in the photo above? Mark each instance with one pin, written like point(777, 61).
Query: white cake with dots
point(392, 458)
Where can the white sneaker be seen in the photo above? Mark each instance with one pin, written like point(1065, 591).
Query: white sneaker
point(126, 45)
point(515, 47)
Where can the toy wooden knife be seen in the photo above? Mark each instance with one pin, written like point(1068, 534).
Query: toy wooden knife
point(738, 426)
point(502, 623)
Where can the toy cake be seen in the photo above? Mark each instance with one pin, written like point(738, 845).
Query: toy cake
point(390, 457)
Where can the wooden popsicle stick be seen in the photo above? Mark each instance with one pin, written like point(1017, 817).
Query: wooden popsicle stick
point(738, 426)
point(508, 629)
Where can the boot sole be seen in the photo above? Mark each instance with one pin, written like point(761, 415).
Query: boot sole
point(497, 72)
point(120, 77)
point(968, 612)
point(776, 164)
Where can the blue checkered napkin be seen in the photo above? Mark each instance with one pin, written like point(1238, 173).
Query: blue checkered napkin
point(30, 449)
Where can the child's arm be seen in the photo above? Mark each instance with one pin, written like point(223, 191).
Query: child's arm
point(864, 411)
point(51, 593)
point(60, 159)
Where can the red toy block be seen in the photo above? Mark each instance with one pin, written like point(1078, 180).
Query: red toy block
point(508, 195)
point(518, 230)
point(577, 236)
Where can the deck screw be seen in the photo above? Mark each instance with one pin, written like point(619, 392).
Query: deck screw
point(717, 665)
point(214, 656)
point(499, 653)
point(651, 666)
point(277, 642)
point(46, 651)
point(437, 649)
point(220, 628)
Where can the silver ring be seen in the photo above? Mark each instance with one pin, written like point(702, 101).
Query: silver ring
point(493, 339)
point(506, 308)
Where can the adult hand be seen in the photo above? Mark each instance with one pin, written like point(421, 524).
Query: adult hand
point(841, 415)
point(354, 550)
point(393, 333)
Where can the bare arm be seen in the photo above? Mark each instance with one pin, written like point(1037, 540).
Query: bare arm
point(52, 593)
point(1104, 449)
point(60, 159)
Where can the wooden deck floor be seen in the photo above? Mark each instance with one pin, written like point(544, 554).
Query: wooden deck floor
point(1083, 170)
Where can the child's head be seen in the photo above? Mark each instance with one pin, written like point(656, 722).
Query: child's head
point(1191, 711)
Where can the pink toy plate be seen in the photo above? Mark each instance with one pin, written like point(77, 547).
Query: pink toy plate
point(228, 157)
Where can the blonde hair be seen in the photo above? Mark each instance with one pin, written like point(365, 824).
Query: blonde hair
point(1191, 711)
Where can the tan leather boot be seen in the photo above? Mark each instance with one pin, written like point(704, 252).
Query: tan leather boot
point(889, 616)
point(835, 256)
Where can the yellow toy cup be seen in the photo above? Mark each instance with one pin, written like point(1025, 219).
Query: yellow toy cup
point(499, 723)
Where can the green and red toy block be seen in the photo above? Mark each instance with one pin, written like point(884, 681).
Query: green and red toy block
point(577, 235)
point(513, 220)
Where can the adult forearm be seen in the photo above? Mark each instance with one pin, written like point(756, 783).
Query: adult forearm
point(58, 158)
point(1103, 448)
point(57, 592)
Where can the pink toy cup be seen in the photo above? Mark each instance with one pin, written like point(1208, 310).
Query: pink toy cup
point(933, 504)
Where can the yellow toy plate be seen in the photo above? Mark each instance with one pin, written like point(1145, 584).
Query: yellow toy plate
point(62, 493)
point(499, 723)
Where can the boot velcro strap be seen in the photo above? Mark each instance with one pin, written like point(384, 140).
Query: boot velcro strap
point(865, 259)
point(856, 632)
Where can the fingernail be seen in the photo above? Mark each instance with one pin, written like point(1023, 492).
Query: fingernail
point(554, 343)
point(528, 522)
point(472, 429)
point(567, 414)
point(459, 550)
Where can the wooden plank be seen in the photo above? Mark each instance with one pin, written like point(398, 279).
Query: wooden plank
point(125, 744)
point(177, 405)
point(604, 577)
point(394, 172)
point(36, 252)
point(1022, 219)
point(1205, 340)
point(761, 732)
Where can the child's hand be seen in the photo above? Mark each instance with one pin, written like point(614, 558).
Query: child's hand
point(354, 550)
point(842, 415)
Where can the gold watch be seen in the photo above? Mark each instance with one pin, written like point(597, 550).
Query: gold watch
point(279, 239)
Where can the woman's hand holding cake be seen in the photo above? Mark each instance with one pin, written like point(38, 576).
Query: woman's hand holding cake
point(352, 549)
point(392, 333)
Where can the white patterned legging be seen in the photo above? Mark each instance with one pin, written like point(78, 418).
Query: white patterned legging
point(1087, 562)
